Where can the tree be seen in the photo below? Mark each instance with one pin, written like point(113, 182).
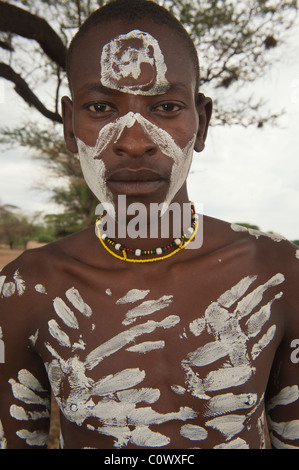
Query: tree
point(236, 42)
point(15, 228)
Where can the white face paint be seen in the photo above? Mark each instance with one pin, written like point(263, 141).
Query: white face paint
point(133, 63)
point(122, 62)
point(94, 168)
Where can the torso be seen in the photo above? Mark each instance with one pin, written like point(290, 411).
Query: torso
point(173, 354)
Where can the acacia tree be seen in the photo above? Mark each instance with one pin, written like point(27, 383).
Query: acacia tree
point(236, 41)
point(15, 228)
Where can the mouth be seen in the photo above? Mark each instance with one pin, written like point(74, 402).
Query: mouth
point(135, 182)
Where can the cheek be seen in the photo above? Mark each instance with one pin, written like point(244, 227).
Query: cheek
point(85, 129)
point(186, 130)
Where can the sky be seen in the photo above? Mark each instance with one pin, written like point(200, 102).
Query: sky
point(243, 175)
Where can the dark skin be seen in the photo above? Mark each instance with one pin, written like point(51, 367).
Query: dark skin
point(167, 393)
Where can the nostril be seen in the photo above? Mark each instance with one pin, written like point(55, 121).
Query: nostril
point(134, 150)
point(133, 141)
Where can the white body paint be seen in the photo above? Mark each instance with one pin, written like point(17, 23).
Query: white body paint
point(286, 396)
point(40, 288)
point(234, 444)
point(288, 430)
point(122, 339)
point(257, 233)
point(8, 288)
point(146, 346)
point(230, 339)
point(76, 300)
point(25, 394)
point(133, 296)
point(65, 313)
point(146, 308)
point(123, 58)
point(27, 389)
point(34, 438)
point(228, 425)
point(193, 432)
point(18, 412)
point(116, 400)
point(278, 444)
point(228, 402)
point(119, 401)
point(3, 442)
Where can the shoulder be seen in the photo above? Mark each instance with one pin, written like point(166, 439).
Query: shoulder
point(272, 248)
point(245, 249)
point(40, 269)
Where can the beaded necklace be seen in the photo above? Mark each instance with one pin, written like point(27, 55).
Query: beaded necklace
point(180, 243)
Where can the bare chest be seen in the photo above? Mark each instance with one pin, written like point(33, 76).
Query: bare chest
point(156, 367)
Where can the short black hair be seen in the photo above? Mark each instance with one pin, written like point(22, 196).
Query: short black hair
point(131, 10)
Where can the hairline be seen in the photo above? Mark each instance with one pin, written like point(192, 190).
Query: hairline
point(82, 32)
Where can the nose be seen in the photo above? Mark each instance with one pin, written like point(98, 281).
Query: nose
point(134, 142)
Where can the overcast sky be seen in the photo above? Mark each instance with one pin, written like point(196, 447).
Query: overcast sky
point(243, 175)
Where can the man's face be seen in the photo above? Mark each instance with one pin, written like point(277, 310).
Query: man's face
point(134, 119)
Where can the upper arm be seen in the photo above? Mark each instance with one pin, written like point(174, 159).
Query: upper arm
point(282, 398)
point(24, 386)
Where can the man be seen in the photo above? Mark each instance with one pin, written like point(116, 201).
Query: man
point(149, 341)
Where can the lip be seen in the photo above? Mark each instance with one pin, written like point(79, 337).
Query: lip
point(135, 182)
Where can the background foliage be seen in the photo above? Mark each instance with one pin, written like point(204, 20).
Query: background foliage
point(237, 42)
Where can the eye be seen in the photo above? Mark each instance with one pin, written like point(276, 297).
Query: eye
point(168, 108)
point(99, 108)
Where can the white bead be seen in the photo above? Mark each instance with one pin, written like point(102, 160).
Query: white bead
point(177, 241)
point(104, 236)
point(138, 252)
point(190, 231)
point(117, 246)
point(159, 251)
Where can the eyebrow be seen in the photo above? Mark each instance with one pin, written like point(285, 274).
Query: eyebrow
point(97, 87)
point(162, 89)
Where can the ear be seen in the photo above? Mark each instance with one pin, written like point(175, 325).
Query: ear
point(67, 118)
point(204, 108)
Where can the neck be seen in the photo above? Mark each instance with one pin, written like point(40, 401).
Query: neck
point(147, 228)
point(158, 253)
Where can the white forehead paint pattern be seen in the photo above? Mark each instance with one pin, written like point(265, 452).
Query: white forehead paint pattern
point(119, 393)
point(123, 57)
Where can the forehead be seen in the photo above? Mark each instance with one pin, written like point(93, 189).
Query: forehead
point(104, 49)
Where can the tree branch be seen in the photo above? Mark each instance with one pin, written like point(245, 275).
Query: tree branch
point(16, 20)
point(25, 92)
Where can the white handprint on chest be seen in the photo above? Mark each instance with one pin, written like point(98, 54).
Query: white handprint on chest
point(124, 405)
